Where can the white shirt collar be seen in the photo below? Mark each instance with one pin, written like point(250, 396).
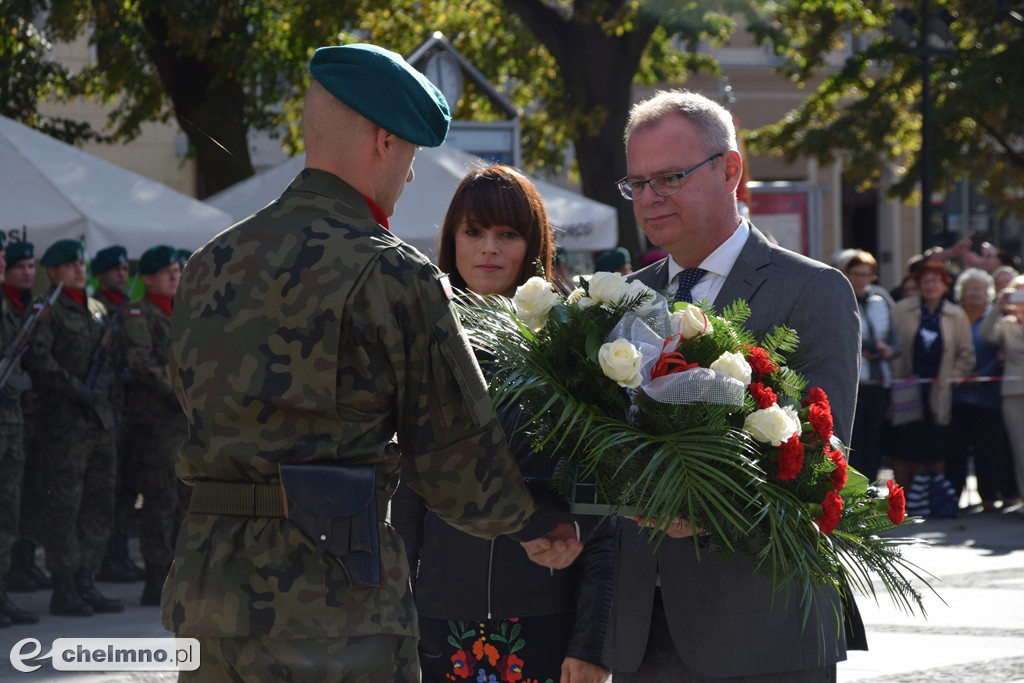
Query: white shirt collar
point(719, 264)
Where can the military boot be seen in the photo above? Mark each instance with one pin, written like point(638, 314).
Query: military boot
point(99, 602)
point(155, 576)
point(15, 614)
point(28, 562)
point(65, 600)
point(117, 566)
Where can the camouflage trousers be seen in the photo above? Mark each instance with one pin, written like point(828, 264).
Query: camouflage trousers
point(360, 659)
point(151, 450)
point(12, 465)
point(80, 470)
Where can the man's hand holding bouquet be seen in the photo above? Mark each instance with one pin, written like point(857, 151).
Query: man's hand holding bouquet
point(675, 414)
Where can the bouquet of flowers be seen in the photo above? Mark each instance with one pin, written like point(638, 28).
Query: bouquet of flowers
point(675, 411)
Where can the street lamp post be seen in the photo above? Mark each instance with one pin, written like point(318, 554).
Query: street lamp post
point(932, 38)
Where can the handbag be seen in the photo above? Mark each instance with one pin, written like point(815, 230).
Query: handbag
point(905, 404)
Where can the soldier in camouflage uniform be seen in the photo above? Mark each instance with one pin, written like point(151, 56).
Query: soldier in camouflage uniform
point(12, 464)
point(156, 425)
point(309, 334)
point(110, 267)
point(25, 575)
point(75, 438)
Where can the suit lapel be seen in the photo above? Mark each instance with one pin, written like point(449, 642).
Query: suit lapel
point(749, 271)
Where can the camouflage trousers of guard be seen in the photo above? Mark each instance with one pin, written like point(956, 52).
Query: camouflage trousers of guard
point(360, 659)
point(12, 466)
point(152, 448)
point(80, 470)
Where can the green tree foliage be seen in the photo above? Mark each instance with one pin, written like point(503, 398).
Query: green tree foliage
point(221, 68)
point(27, 75)
point(868, 112)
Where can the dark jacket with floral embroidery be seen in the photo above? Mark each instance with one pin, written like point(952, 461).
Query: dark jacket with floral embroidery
point(458, 576)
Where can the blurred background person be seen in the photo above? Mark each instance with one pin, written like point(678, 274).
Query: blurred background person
point(879, 344)
point(614, 261)
point(156, 425)
point(1004, 325)
point(976, 432)
point(110, 268)
point(473, 594)
point(936, 339)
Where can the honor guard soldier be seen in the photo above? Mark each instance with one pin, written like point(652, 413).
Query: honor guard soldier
point(110, 268)
point(156, 426)
point(12, 462)
point(25, 575)
point(75, 434)
point(312, 350)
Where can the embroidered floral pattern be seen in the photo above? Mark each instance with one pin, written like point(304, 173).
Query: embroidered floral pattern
point(486, 653)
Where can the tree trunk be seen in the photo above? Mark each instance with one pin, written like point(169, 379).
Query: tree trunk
point(210, 109)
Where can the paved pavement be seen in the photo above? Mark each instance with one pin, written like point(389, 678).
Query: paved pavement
point(974, 630)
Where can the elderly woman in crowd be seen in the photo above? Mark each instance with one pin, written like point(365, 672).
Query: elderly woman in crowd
point(977, 430)
point(936, 338)
point(879, 345)
point(1004, 325)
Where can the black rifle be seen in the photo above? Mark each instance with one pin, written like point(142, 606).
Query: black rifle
point(17, 347)
point(99, 357)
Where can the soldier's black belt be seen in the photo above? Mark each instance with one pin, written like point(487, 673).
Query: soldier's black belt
point(237, 499)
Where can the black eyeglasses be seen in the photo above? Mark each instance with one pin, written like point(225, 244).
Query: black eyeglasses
point(663, 185)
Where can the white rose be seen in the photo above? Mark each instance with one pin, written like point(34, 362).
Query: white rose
point(691, 322)
point(608, 288)
point(533, 299)
point(635, 289)
point(575, 295)
point(734, 365)
point(621, 361)
point(771, 425)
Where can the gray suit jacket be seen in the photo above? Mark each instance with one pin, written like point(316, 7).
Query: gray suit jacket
point(722, 616)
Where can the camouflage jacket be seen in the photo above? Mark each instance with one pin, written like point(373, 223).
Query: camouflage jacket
point(116, 363)
point(10, 397)
point(59, 356)
point(309, 333)
point(146, 335)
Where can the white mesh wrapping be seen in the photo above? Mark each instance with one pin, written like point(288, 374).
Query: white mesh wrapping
point(698, 385)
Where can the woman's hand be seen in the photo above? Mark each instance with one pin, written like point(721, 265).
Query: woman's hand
point(579, 671)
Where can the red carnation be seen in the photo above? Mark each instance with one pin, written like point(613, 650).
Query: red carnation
point(791, 458)
point(759, 361)
point(816, 395)
point(897, 503)
point(831, 511)
point(839, 474)
point(764, 396)
point(820, 417)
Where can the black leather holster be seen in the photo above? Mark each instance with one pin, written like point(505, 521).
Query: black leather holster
point(336, 507)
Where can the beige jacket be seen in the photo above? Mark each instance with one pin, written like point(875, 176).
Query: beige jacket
point(1008, 333)
point(957, 350)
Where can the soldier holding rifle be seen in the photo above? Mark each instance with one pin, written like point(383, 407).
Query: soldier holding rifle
point(78, 455)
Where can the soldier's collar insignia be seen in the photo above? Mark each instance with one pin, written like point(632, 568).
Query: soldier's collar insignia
point(446, 285)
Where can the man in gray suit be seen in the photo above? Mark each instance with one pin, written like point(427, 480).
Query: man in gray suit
point(677, 617)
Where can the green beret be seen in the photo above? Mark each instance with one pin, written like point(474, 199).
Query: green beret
point(183, 256)
point(383, 87)
point(108, 258)
point(155, 258)
point(61, 252)
point(18, 251)
point(611, 260)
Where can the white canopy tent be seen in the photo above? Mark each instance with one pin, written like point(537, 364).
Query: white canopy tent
point(50, 190)
point(581, 224)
